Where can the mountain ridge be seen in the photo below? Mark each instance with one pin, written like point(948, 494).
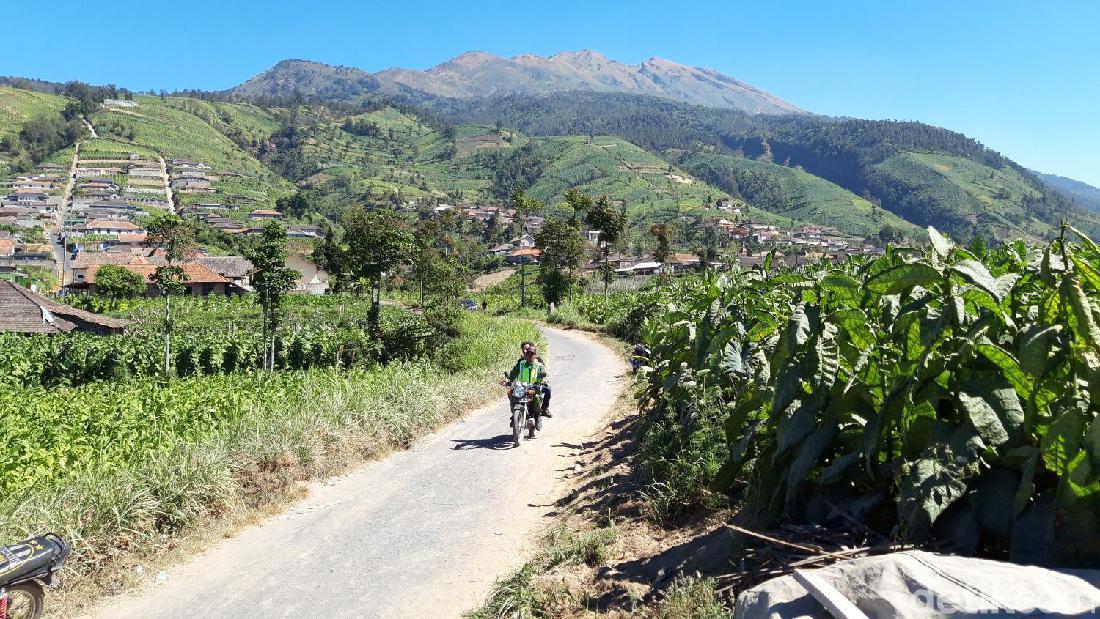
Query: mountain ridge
point(479, 74)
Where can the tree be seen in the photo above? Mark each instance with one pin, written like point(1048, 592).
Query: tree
point(662, 250)
point(176, 238)
point(376, 242)
point(272, 280)
point(562, 251)
point(578, 202)
point(117, 282)
point(610, 221)
point(707, 250)
point(524, 206)
point(890, 234)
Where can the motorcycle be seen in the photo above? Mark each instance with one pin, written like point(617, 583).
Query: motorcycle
point(521, 395)
point(26, 569)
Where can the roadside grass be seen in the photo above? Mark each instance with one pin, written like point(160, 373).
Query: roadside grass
point(316, 424)
point(532, 591)
point(691, 597)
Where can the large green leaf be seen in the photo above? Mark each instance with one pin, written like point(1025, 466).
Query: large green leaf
point(844, 289)
point(795, 422)
point(1081, 313)
point(940, 244)
point(808, 455)
point(1035, 343)
point(854, 322)
point(1009, 366)
point(984, 418)
point(927, 488)
point(732, 362)
point(1088, 274)
point(1062, 442)
point(976, 273)
point(903, 277)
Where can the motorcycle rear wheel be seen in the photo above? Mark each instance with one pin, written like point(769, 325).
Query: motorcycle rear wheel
point(519, 420)
point(26, 601)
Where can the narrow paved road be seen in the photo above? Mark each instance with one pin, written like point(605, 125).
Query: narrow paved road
point(422, 533)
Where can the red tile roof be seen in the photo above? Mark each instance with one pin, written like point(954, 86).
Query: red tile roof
point(195, 273)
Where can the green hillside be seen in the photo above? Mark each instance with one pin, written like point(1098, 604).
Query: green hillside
point(382, 155)
point(173, 129)
point(41, 112)
point(866, 157)
point(796, 194)
point(967, 198)
point(19, 106)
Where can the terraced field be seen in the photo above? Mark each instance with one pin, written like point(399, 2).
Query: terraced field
point(18, 106)
point(610, 166)
point(178, 128)
point(960, 194)
point(795, 194)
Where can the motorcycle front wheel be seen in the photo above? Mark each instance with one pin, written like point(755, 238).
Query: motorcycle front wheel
point(519, 420)
point(26, 601)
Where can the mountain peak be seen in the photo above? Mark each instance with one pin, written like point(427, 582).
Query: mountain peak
point(467, 60)
point(479, 74)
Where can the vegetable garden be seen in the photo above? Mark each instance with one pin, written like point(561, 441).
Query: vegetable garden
point(945, 397)
point(217, 336)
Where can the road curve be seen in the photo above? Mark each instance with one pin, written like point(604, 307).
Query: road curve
point(421, 533)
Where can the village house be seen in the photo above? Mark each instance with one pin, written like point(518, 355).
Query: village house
point(111, 227)
point(640, 268)
point(29, 198)
point(234, 268)
point(86, 260)
point(25, 311)
point(303, 232)
point(97, 172)
point(32, 183)
point(524, 255)
point(728, 206)
point(264, 214)
point(146, 172)
point(186, 164)
point(191, 184)
point(198, 279)
point(312, 279)
point(524, 240)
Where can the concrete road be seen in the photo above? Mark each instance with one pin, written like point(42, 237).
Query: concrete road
point(422, 533)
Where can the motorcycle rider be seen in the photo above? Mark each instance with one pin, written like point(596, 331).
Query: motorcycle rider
point(530, 370)
point(546, 393)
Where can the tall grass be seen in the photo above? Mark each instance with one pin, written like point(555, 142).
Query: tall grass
point(284, 429)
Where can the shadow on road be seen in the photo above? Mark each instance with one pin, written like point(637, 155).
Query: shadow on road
point(504, 441)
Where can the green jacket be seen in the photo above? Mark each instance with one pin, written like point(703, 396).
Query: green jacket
point(533, 373)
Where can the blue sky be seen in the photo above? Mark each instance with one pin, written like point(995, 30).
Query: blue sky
point(1023, 78)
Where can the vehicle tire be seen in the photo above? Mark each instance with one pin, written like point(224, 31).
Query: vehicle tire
point(26, 601)
point(519, 420)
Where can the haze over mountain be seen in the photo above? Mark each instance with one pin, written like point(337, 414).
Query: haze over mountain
point(1082, 194)
point(479, 74)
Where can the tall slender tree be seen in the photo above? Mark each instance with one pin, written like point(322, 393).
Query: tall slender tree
point(272, 280)
point(610, 222)
point(176, 238)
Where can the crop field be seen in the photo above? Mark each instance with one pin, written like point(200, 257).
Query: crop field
point(615, 168)
point(18, 106)
point(190, 129)
point(120, 463)
point(795, 194)
point(938, 397)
